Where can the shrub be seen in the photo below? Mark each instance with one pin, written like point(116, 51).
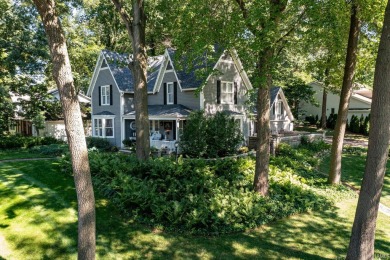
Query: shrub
point(18, 141)
point(311, 119)
point(331, 121)
point(210, 136)
point(203, 196)
point(99, 143)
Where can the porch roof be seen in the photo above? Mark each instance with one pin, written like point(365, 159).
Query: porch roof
point(165, 111)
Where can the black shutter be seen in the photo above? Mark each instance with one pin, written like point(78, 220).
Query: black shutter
point(235, 92)
point(175, 93)
point(111, 95)
point(100, 95)
point(218, 92)
point(174, 130)
point(165, 93)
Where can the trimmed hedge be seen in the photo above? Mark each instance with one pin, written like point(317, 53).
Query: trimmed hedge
point(206, 196)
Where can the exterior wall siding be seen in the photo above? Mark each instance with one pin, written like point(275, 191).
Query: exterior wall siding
point(229, 73)
point(333, 101)
point(105, 78)
point(185, 98)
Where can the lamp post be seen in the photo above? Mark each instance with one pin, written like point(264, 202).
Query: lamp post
point(176, 147)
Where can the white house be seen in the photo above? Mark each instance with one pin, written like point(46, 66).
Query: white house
point(360, 102)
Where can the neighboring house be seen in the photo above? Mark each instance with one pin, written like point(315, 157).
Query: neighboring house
point(54, 128)
point(19, 124)
point(359, 104)
point(172, 95)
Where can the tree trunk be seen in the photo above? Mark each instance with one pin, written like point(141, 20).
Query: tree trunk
point(324, 98)
point(139, 67)
point(260, 182)
point(361, 245)
point(74, 128)
point(323, 111)
point(346, 91)
point(135, 26)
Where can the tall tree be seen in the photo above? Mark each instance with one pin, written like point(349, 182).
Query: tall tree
point(136, 28)
point(361, 244)
point(62, 75)
point(346, 92)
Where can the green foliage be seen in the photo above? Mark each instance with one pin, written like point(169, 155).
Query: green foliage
point(203, 135)
point(359, 125)
point(297, 92)
point(17, 141)
point(98, 143)
point(331, 121)
point(206, 196)
point(6, 109)
point(311, 120)
point(51, 150)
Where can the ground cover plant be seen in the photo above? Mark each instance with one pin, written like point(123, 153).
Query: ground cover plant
point(38, 221)
point(209, 196)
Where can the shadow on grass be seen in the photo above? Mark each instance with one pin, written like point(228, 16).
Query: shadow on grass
point(36, 222)
point(319, 235)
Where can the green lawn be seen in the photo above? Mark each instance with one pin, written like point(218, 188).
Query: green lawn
point(19, 154)
point(352, 170)
point(38, 221)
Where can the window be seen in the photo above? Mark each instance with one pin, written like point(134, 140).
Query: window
point(227, 92)
point(103, 127)
point(109, 127)
point(105, 95)
point(280, 108)
point(170, 93)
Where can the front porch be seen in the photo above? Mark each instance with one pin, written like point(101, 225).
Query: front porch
point(166, 124)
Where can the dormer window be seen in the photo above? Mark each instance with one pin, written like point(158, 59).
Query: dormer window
point(227, 92)
point(105, 95)
point(170, 93)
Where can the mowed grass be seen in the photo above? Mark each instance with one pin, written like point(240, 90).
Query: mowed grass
point(19, 154)
point(352, 171)
point(38, 220)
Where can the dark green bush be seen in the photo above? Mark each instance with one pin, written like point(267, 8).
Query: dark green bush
point(331, 121)
point(99, 143)
point(210, 136)
point(18, 141)
point(311, 119)
point(200, 196)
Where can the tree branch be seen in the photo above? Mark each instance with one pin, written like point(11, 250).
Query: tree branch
point(126, 18)
point(244, 11)
point(293, 27)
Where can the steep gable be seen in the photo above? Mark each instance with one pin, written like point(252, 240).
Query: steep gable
point(118, 67)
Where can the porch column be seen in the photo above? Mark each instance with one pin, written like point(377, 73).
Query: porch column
point(177, 129)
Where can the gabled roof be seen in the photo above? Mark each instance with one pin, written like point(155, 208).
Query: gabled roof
point(187, 76)
point(274, 91)
point(166, 110)
point(118, 66)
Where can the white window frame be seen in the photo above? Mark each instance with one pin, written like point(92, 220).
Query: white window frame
point(102, 126)
point(105, 95)
point(170, 95)
point(225, 93)
point(279, 110)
